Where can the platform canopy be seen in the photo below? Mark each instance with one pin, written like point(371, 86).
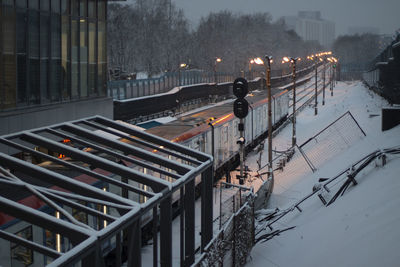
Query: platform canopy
point(94, 181)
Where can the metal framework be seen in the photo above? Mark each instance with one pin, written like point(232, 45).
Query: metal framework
point(118, 176)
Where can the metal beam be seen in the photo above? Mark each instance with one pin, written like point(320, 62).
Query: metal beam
point(142, 142)
point(78, 168)
point(115, 154)
point(134, 245)
point(54, 178)
point(126, 148)
point(156, 184)
point(189, 223)
point(29, 244)
point(206, 207)
point(154, 139)
point(75, 233)
point(166, 232)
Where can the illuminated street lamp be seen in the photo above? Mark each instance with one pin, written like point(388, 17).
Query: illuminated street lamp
point(267, 65)
point(250, 63)
point(181, 66)
point(293, 63)
point(312, 58)
point(217, 60)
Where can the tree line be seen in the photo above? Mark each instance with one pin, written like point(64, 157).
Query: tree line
point(155, 36)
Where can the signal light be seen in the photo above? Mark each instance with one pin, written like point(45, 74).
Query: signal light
point(241, 108)
point(240, 87)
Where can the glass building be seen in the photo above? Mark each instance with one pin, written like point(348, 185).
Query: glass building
point(52, 53)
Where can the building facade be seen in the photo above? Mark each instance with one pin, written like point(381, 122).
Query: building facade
point(311, 27)
point(53, 62)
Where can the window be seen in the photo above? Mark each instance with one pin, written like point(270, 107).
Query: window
point(102, 58)
point(65, 57)
point(83, 8)
point(34, 60)
point(8, 31)
point(101, 9)
point(83, 54)
point(1, 61)
point(75, 7)
point(21, 56)
point(21, 3)
point(21, 255)
point(33, 4)
point(44, 56)
point(65, 8)
point(55, 61)
point(45, 5)
point(74, 59)
point(92, 58)
point(55, 6)
point(92, 9)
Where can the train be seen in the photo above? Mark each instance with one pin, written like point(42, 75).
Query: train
point(211, 129)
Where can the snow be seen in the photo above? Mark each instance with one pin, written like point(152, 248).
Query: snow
point(359, 229)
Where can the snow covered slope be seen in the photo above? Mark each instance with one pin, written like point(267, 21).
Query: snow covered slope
point(362, 227)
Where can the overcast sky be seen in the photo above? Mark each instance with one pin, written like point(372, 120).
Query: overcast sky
point(381, 14)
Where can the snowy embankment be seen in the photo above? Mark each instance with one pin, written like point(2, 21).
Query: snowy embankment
point(361, 227)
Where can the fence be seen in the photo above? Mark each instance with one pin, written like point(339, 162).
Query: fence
point(334, 138)
point(125, 89)
point(232, 245)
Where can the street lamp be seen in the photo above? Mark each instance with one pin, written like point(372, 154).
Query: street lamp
point(312, 57)
point(181, 66)
point(267, 65)
point(293, 63)
point(250, 62)
point(217, 60)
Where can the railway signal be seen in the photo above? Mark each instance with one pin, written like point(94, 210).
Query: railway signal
point(241, 109)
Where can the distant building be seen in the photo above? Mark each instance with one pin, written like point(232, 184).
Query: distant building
point(53, 62)
point(362, 30)
point(311, 27)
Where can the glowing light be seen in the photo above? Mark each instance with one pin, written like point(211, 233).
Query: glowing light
point(285, 59)
point(66, 141)
point(105, 209)
point(258, 61)
point(218, 59)
point(183, 65)
point(61, 156)
point(58, 237)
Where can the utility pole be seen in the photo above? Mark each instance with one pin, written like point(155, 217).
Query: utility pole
point(268, 80)
point(316, 88)
point(323, 79)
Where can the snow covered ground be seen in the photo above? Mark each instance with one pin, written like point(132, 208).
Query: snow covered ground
point(361, 227)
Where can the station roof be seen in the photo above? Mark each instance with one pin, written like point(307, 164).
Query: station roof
point(82, 165)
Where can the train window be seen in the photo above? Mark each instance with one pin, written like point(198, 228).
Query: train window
point(20, 255)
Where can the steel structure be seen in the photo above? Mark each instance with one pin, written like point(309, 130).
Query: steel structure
point(133, 176)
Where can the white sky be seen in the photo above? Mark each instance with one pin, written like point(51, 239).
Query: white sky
point(380, 14)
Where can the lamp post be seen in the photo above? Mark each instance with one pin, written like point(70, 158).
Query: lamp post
point(250, 73)
point(323, 81)
point(312, 57)
point(267, 65)
point(217, 60)
point(181, 66)
point(293, 63)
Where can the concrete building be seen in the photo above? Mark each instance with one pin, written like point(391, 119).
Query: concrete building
point(53, 62)
point(311, 27)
